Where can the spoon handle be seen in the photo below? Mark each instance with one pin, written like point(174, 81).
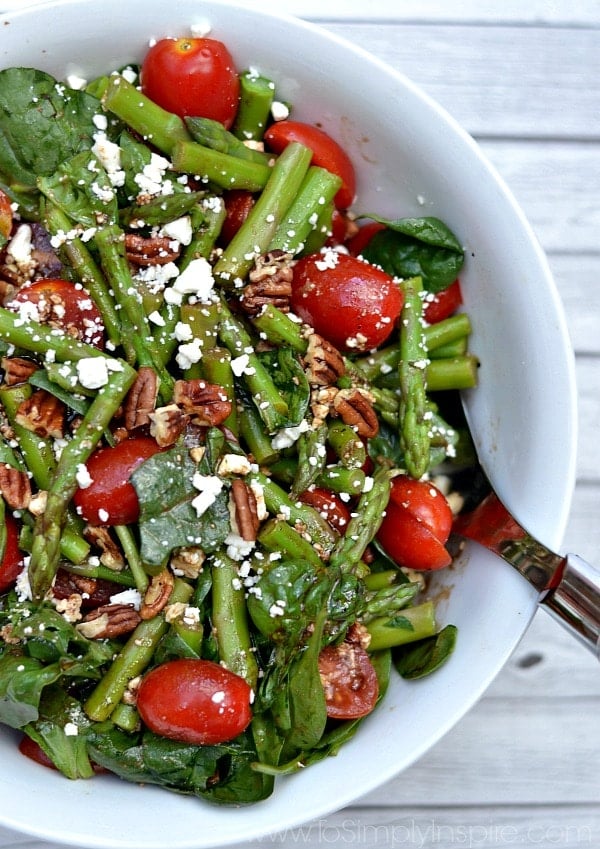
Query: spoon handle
point(575, 601)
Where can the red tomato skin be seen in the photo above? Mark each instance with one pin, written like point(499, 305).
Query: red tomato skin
point(66, 305)
point(12, 562)
point(34, 752)
point(192, 76)
point(329, 505)
point(111, 490)
point(357, 243)
point(6, 215)
point(417, 523)
point(442, 304)
point(327, 153)
point(194, 701)
point(353, 305)
point(238, 203)
point(349, 680)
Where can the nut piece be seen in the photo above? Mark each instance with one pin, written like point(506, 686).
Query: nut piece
point(154, 250)
point(188, 562)
point(245, 510)
point(15, 486)
point(354, 407)
point(17, 369)
point(43, 414)
point(141, 398)
point(109, 621)
point(157, 595)
point(207, 403)
point(167, 424)
point(111, 556)
point(270, 283)
point(325, 363)
point(321, 403)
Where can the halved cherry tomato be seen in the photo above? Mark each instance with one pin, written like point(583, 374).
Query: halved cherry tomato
point(330, 506)
point(192, 76)
point(238, 203)
point(34, 752)
point(327, 153)
point(12, 561)
point(417, 524)
point(442, 304)
point(65, 305)
point(6, 215)
point(349, 680)
point(111, 498)
point(194, 701)
point(357, 243)
point(349, 302)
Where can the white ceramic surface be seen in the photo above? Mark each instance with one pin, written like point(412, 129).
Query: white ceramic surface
point(412, 159)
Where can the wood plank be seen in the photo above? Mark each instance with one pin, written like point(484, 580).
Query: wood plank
point(576, 277)
point(582, 534)
point(497, 80)
point(588, 381)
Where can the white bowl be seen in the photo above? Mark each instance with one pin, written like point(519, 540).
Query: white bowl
point(412, 159)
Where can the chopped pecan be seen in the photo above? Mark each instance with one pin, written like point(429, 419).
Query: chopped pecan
point(188, 562)
point(354, 407)
point(111, 555)
point(270, 283)
point(245, 510)
point(321, 403)
point(43, 414)
point(7, 289)
point(109, 621)
point(141, 398)
point(38, 502)
point(17, 369)
point(325, 363)
point(15, 486)
point(151, 250)
point(167, 424)
point(207, 403)
point(69, 606)
point(157, 595)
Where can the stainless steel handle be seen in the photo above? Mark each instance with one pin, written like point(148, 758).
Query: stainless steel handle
point(575, 601)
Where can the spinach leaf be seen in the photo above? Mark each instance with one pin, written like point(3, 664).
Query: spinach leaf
point(415, 660)
point(22, 680)
point(308, 710)
point(168, 519)
point(290, 378)
point(84, 194)
point(417, 247)
point(42, 124)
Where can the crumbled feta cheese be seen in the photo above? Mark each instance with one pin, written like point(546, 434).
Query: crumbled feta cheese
point(188, 354)
point(234, 464)
point(287, 436)
point(70, 729)
point(83, 476)
point(129, 596)
point(209, 486)
point(109, 155)
point(180, 230)
point(197, 279)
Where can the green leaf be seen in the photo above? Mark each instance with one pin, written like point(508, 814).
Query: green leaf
point(308, 709)
point(290, 378)
point(168, 520)
point(415, 660)
point(22, 680)
point(400, 622)
point(417, 247)
point(42, 124)
point(85, 195)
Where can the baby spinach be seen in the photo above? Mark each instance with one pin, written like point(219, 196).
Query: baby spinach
point(43, 123)
point(85, 195)
point(415, 660)
point(417, 247)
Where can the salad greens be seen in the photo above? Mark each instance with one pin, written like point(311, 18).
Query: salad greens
point(257, 578)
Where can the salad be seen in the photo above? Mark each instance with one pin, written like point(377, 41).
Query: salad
point(228, 422)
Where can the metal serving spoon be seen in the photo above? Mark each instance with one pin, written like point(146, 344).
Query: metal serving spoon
point(568, 587)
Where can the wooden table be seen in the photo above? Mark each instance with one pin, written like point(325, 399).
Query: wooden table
point(523, 767)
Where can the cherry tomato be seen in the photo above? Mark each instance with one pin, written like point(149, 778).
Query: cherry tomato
point(12, 561)
point(327, 153)
point(417, 524)
point(111, 499)
point(349, 302)
point(349, 680)
point(357, 243)
point(329, 505)
point(194, 701)
point(442, 304)
point(6, 215)
point(192, 76)
point(64, 305)
point(34, 752)
point(238, 203)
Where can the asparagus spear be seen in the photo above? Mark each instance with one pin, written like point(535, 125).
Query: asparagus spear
point(414, 427)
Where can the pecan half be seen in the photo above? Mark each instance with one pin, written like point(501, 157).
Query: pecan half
point(354, 407)
point(167, 424)
point(109, 621)
point(207, 403)
point(270, 283)
point(188, 562)
point(17, 369)
point(141, 398)
point(151, 250)
point(157, 595)
point(325, 363)
point(245, 510)
point(15, 486)
point(111, 555)
point(43, 414)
